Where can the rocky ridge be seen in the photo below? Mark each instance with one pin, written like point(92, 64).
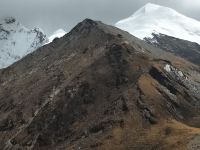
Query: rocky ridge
point(99, 87)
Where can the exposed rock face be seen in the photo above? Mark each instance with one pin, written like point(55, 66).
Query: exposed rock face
point(186, 49)
point(98, 88)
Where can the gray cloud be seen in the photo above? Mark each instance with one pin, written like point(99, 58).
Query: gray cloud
point(53, 14)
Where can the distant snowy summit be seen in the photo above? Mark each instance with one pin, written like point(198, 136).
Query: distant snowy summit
point(57, 34)
point(16, 41)
point(153, 18)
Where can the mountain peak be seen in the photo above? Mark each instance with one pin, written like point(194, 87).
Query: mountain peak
point(155, 9)
point(85, 27)
point(17, 41)
point(89, 21)
point(152, 17)
point(86, 23)
point(150, 7)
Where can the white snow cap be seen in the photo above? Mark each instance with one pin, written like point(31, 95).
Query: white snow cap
point(154, 18)
point(16, 41)
point(57, 34)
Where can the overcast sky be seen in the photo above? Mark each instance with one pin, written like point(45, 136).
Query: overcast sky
point(51, 15)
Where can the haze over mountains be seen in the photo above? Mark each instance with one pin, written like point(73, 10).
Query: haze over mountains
point(99, 87)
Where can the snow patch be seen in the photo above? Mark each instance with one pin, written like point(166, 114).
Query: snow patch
point(57, 34)
point(167, 68)
point(172, 70)
point(180, 73)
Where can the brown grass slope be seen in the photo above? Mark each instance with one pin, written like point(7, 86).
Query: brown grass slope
point(98, 87)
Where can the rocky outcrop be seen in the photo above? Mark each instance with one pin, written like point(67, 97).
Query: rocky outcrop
point(182, 48)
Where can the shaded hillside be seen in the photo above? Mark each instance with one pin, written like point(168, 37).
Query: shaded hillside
point(99, 88)
point(186, 49)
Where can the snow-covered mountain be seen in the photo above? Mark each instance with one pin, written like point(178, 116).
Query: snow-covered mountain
point(57, 34)
point(153, 18)
point(16, 41)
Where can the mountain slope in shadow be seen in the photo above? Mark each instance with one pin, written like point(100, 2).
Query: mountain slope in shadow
point(182, 48)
